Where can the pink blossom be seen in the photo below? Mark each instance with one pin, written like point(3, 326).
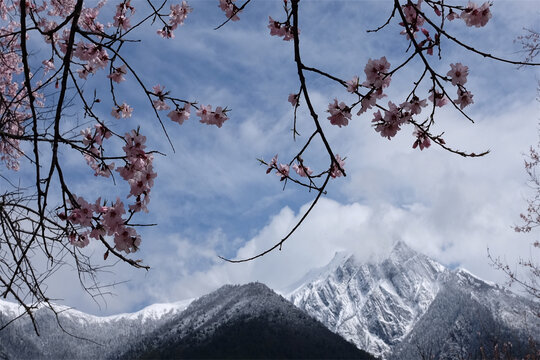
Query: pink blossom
point(86, 69)
point(458, 73)
point(476, 16)
point(82, 212)
point(302, 170)
point(166, 32)
point(88, 137)
point(230, 9)
point(369, 100)
point(282, 30)
point(275, 28)
point(438, 98)
point(422, 140)
point(80, 240)
point(352, 85)
point(121, 19)
point(122, 111)
point(112, 218)
point(98, 208)
point(387, 130)
point(411, 14)
point(335, 170)
point(414, 106)
point(376, 73)
point(389, 125)
point(134, 147)
point(293, 99)
point(272, 164)
point(340, 114)
point(100, 168)
point(394, 114)
point(87, 20)
point(96, 55)
point(138, 171)
point(210, 117)
point(160, 104)
point(97, 232)
point(126, 239)
point(452, 15)
point(180, 115)
point(118, 74)
point(61, 8)
point(142, 181)
point(179, 14)
point(140, 204)
point(102, 131)
point(464, 98)
point(283, 171)
point(48, 65)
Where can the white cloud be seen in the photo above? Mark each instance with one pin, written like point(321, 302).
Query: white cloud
point(212, 198)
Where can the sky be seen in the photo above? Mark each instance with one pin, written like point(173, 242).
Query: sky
point(212, 197)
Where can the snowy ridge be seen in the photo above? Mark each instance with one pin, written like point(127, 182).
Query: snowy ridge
point(10, 309)
point(109, 334)
point(372, 305)
point(151, 312)
point(407, 303)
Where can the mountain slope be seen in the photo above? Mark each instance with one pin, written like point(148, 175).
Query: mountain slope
point(248, 321)
point(470, 317)
point(373, 305)
point(407, 300)
point(85, 336)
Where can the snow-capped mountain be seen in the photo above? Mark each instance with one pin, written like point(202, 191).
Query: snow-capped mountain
point(384, 306)
point(405, 306)
point(243, 321)
point(85, 336)
point(247, 321)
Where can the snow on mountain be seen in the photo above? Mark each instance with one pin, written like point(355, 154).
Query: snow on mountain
point(85, 337)
point(392, 305)
point(373, 305)
point(243, 321)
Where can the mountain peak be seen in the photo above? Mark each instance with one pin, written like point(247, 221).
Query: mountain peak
point(373, 304)
point(402, 250)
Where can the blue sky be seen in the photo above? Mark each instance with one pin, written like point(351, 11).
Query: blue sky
point(213, 198)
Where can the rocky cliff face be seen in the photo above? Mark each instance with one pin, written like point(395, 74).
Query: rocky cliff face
point(374, 305)
point(390, 306)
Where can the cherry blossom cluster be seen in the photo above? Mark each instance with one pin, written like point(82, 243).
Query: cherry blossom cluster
point(458, 75)
point(12, 94)
point(393, 117)
point(177, 16)
point(340, 114)
point(93, 140)
point(284, 30)
point(179, 115)
point(93, 45)
point(472, 14)
point(97, 220)
point(212, 117)
point(11, 124)
point(230, 9)
point(138, 170)
point(123, 12)
point(283, 170)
